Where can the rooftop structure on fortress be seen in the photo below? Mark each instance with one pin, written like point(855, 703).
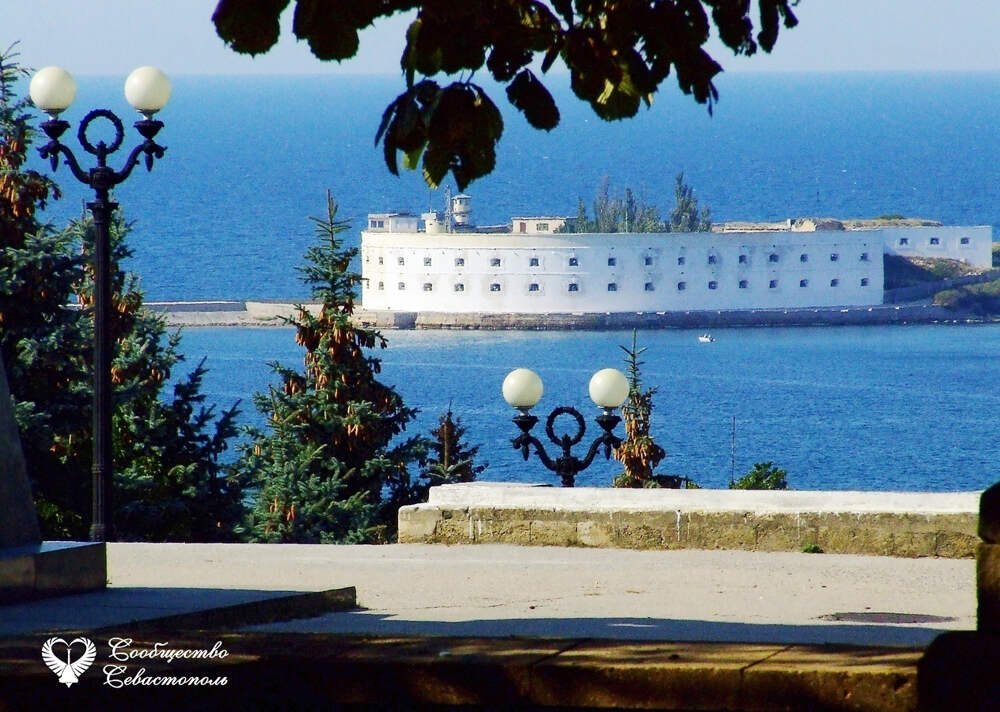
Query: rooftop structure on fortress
point(457, 218)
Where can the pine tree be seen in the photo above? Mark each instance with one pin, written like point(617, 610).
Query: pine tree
point(638, 453)
point(685, 216)
point(450, 459)
point(169, 483)
point(325, 469)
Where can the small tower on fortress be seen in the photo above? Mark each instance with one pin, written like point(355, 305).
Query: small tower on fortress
point(461, 210)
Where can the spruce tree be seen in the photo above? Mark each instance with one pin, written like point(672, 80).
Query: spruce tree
point(43, 341)
point(638, 453)
point(451, 459)
point(169, 483)
point(325, 468)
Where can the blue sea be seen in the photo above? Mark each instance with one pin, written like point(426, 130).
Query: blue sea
point(224, 215)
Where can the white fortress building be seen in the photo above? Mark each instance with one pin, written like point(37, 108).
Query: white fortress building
point(441, 262)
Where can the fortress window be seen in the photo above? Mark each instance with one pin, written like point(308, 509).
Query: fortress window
point(495, 287)
point(373, 223)
point(381, 286)
point(834, 257)
point(533, 287)
point(460, 262)
point(380, 260)
point(533, 262)
point(612, 262)
point(494, 262)
point(681, 286)
point(612, 287)
point(574, 287)
point(427, 262)
point(743, 259)
point(772, 257)
point(904, 241)
point(574, 262)
point(864, 257)
point(744, 284)
point(713, 285)
point(401, 286)
point(773, 284)
point(964, 241)
point(935, 241)
point(680, 260)
point(834, 282)
point(712, 259)
point(400, 261)
point(459, 287)
point(647, 260)
point(428, 287)
point(803, 282)
point(381, 223)
point(542, 227)
point(864, 281)
point(649, 287)
point(803, 257)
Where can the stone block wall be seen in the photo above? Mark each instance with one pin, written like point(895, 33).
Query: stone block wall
point(763, 522)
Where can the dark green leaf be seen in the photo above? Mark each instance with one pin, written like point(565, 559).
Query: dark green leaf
point(436, 165)
point(532, 98)
point(249, 26)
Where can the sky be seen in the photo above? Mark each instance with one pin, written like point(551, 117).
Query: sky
point(110, 37)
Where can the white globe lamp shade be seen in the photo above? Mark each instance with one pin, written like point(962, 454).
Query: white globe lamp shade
point(522, 388)
point(52, 89)
point(147, 89)
point(608, 388)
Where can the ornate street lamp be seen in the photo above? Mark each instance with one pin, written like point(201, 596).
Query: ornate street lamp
point(522, 389)
point(52, 90)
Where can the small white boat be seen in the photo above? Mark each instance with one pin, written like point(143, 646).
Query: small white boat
point(706, 338)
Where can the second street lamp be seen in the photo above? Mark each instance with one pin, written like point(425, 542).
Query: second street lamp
point(52, 90)
point(522, 389)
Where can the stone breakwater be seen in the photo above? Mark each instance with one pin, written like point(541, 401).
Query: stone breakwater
point(273, 313)
point(906, 524)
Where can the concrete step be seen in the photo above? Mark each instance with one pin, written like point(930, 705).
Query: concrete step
point(295, 671)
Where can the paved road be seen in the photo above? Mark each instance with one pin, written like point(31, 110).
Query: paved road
point(500, 590)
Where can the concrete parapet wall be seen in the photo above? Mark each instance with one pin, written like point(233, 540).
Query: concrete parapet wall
point(888, 524)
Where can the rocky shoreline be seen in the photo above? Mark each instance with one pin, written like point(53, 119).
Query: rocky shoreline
point(274, 313)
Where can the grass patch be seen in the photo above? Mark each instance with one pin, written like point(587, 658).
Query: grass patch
point(914, 271)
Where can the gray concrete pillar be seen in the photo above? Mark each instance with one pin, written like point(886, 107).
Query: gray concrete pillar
point(18, 522)
point(988, 561)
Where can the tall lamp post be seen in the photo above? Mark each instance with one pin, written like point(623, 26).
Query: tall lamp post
point(52, 90)
point(522, 389)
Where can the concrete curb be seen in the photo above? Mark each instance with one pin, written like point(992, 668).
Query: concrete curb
point(279, 608)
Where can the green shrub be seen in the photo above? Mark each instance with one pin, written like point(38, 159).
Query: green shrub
point(982, 299)
point(763, 476)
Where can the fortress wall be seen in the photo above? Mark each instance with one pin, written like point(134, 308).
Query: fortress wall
point(465, 273)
